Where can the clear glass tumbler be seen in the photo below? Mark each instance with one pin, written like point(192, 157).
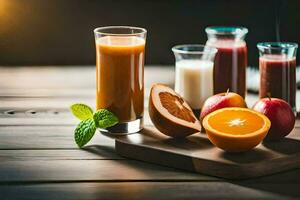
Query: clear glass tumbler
point(277, 66)
point(120, 52)
point(194, 73)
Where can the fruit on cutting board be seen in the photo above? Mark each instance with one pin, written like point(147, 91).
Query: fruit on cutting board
point(236, 129)
point(279, 113)
point(222, 100)
point(170, 114)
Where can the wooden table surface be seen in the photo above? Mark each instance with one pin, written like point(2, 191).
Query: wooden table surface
point(39, 159)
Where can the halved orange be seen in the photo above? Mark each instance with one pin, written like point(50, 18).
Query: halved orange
point(236, 129)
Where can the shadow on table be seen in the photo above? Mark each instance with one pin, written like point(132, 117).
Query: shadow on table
point(188, 143)
point(284, 146)
point(254, 155)
point(139, 168)
point(107, 152)
point(285, 184)
point(194, 142)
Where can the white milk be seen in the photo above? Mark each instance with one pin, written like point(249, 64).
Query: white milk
point(194, 81)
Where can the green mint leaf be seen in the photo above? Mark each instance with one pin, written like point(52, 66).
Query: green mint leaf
point(84, 132)
point(81, 111)
point(104, 119)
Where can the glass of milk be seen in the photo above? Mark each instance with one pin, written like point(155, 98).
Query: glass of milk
point(194, 73)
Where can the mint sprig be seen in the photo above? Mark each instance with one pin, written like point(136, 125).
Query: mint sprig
point(81, 111)
point(104, 119)
point(90, 121)
point(84, 132)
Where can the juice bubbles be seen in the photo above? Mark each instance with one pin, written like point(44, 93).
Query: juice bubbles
point(277, 66)
point(231, 59)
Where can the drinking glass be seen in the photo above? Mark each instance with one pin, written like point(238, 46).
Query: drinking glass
point(194, 73)
point(120, 52)
point(277, 66)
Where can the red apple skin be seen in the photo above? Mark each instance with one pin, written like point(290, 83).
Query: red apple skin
point(221, 100)
point(279, 113)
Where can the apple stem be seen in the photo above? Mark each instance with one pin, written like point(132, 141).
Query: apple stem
point(269, 95)
point(227, 91)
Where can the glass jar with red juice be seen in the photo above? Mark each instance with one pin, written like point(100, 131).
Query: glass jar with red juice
point(231, 59)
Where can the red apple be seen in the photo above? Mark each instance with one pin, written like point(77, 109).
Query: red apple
point(221, 100)
point(280, 114)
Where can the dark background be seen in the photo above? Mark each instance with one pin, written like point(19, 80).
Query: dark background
point(60, 32)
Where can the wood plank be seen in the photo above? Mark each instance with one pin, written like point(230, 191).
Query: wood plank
point(14, 116)
point(21, 171)
point(47, 77)
point(150, 191)
point(94, 152)
point(43, 102)
point(89, 170)
point(47, 92)
point(44, 116)
point(30, 121)
point(45, 137)
point(197, 154)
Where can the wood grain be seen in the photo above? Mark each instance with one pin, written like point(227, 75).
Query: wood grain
point(44, 137)
point(91, 152)
point(150, 191)
point(43, 102)
point(89, 170)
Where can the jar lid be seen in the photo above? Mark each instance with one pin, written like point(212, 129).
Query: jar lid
point(226, 30)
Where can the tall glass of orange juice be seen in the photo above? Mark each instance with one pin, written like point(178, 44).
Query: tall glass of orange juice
point(120, 52)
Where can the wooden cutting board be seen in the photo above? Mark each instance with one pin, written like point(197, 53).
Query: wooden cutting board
point(197, 154)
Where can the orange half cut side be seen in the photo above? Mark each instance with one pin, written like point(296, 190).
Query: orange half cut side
point(236, 129)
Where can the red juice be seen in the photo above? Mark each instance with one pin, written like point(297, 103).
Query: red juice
point(230, 66)
point(278, 77)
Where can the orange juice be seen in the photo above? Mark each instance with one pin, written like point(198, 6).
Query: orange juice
point(120, 76)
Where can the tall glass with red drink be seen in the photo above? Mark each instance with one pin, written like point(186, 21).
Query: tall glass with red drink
point(277, 66)
point(231, 59)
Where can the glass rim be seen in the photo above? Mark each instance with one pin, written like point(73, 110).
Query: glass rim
point(226, 30)
point(101, 30)
point(276, 45)
point(204, 49)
